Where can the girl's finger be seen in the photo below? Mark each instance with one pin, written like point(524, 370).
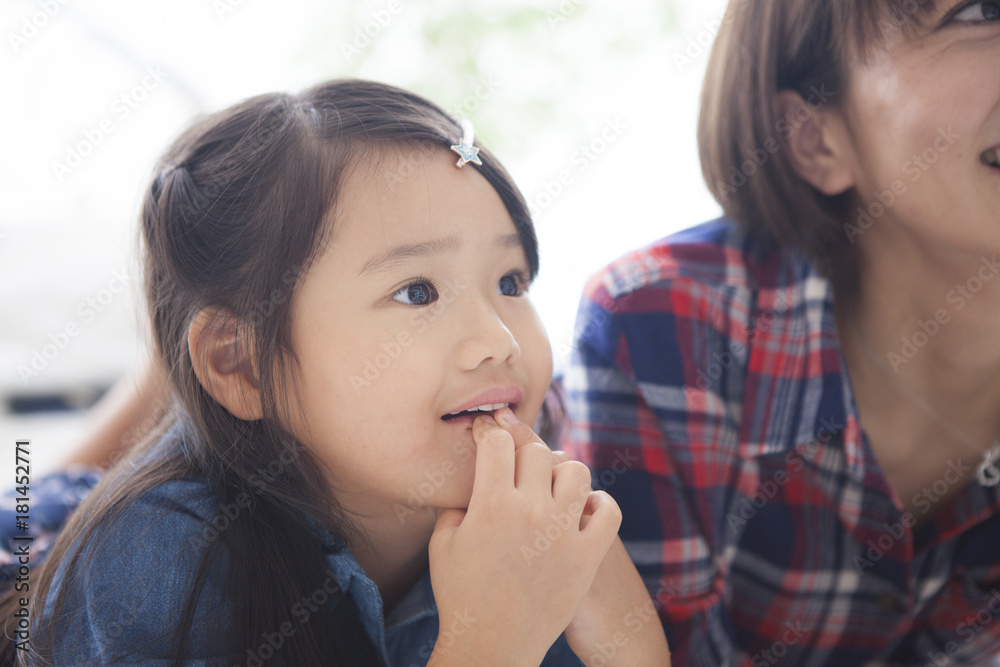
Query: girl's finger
point(571, 488)
point(450, 518)
point(523, 434)
point(518, 430)
point(533, 472)
point(605, 517)
point(561, 456)
point(494, 458)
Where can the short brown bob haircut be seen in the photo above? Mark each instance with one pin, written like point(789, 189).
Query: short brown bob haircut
point(806, 46)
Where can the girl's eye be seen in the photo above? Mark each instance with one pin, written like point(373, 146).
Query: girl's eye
point(510, 285)
point(979, 12)
point(419, 293)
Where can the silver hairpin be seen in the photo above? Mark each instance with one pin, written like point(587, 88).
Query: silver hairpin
point(466, 151)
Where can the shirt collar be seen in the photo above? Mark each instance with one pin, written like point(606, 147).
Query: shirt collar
point(359, 588)
point(793, 324)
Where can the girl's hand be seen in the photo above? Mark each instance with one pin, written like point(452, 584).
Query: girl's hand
point(510, 573)
point(617, 623)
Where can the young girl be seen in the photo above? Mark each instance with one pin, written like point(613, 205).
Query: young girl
point(346, 475)
point(806, 392)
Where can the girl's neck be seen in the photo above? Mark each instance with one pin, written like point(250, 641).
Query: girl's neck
point(395, 557)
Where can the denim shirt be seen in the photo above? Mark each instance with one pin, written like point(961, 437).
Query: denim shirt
point(136, 580)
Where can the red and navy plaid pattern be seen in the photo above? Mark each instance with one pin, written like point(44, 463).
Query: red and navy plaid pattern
point(709, 396)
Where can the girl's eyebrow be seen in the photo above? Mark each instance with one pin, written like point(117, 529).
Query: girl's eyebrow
point(391, 257)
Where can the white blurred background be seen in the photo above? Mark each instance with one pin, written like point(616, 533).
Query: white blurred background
point(95, 90)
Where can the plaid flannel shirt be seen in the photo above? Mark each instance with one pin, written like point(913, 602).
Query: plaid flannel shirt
point(709, 395)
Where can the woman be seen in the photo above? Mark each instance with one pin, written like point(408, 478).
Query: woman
point(797, 406)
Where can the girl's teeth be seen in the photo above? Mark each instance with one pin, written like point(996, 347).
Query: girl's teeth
point(484, 408)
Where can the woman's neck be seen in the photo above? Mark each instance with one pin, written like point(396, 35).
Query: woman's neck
point(920, 340)
point(931, 315)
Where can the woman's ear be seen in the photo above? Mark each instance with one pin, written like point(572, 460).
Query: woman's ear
point(223, 362)
point(818, 143)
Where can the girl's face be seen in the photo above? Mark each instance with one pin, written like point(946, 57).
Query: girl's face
point(417, 309)
point(922, 118)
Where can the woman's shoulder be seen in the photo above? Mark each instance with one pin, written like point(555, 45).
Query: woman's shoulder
point(717, 257)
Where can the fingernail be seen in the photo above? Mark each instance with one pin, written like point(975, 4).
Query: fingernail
point(508, 416)
point(488, 419)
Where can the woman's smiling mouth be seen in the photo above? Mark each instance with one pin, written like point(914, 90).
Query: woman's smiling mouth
point(991, 157)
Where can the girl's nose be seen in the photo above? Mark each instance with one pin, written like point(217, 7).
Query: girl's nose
point(484, 337)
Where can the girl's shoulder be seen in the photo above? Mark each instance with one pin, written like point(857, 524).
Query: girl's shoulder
point(128, 576)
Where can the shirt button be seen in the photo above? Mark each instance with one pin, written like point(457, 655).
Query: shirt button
point(889, 602)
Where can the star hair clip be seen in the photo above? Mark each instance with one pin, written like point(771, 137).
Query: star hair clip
point(466, 151)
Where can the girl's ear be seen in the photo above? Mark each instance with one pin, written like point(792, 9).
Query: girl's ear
point(224, 362)
point(818, 143)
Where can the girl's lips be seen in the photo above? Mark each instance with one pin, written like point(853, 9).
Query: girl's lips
point(508, 394)
point(465, 420)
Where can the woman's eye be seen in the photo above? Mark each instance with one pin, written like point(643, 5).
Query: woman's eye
point(420, 293)
point(979, 12)
point(510, 285)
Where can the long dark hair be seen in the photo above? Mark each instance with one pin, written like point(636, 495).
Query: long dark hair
point(233, 217)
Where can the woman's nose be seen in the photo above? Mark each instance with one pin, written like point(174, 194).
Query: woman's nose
point(484, 337)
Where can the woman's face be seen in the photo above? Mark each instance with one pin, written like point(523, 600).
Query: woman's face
point(924, 123)
point(416, 309)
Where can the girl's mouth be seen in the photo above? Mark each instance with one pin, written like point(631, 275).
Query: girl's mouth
point(468, 416)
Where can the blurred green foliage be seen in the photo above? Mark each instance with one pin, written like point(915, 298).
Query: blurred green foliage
point(538, 56)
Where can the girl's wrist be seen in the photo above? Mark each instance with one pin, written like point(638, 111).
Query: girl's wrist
point(472, 651)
